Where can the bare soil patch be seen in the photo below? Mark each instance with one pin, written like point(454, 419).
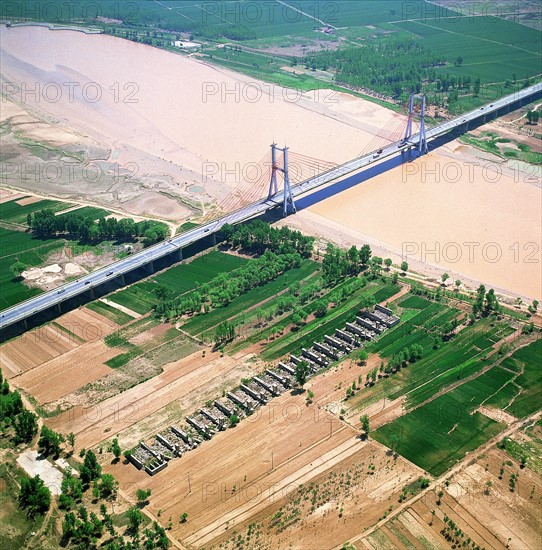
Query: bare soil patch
point(34, 348)
point(87, 324)
point(67, 373)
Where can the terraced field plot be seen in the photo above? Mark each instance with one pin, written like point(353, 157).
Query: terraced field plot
point(436, 435)
point(523, 395)
point(442, 362)
point(480, 503)
point(441, 431)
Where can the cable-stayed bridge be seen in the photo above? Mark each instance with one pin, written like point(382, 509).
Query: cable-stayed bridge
point(279, 167)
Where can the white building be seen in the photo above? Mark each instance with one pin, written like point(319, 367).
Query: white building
point(186, 45)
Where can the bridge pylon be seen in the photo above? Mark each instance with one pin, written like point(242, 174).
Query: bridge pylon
point(422, 137)
point(288, 203)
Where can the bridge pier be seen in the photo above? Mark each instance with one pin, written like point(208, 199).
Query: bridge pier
point(59, 308)
point(149, 267)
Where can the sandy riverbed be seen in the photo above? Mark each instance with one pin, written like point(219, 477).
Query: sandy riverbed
point(160, 110)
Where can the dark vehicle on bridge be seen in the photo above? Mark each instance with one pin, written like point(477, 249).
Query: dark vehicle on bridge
point(109, 273)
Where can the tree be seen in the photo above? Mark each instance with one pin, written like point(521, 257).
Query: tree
point(320, 308)
point(115, 449)
point(404, 267)
point(476, 87)
point(26, 426)
point(533, 117)
point(49, 442)
point(135, 517)
point(142, 496)
point(444, 278)
point(297, 320)
point(72, 490)
point(70, 438)
point(457, 284)
point(479, 303)
point(387, 263)
point(233, 420)
point(183, 518)
point(491, 301)
point(107, 487)
point(91, 469)
point(365, 254)
point(362, 357)
point(34, 496)
point(17, 268)
point(364, 419)
point(301, 372)
point(376, 266)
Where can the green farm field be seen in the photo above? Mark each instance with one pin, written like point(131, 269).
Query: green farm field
point(523, 395)
point(435, 435)
point(141, 297)
point(13, 213)
point(442, 362)
point(20, 246)
point(438, 434)
point(492, 49)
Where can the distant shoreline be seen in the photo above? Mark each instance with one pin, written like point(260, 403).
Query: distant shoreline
point(53, 27)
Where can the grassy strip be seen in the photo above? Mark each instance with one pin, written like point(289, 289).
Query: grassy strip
point(110, 313)
point(178, 280)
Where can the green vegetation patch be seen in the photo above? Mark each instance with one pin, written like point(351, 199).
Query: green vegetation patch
point(142, 297)
point(16, 246)
point(199, 324)
point(15, 526)
point(438, 434)
point(11, 212)
point(490, 143)
point(524, 396)
point(335, 318)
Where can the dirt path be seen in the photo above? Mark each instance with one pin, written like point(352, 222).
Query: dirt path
point(124, 309)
